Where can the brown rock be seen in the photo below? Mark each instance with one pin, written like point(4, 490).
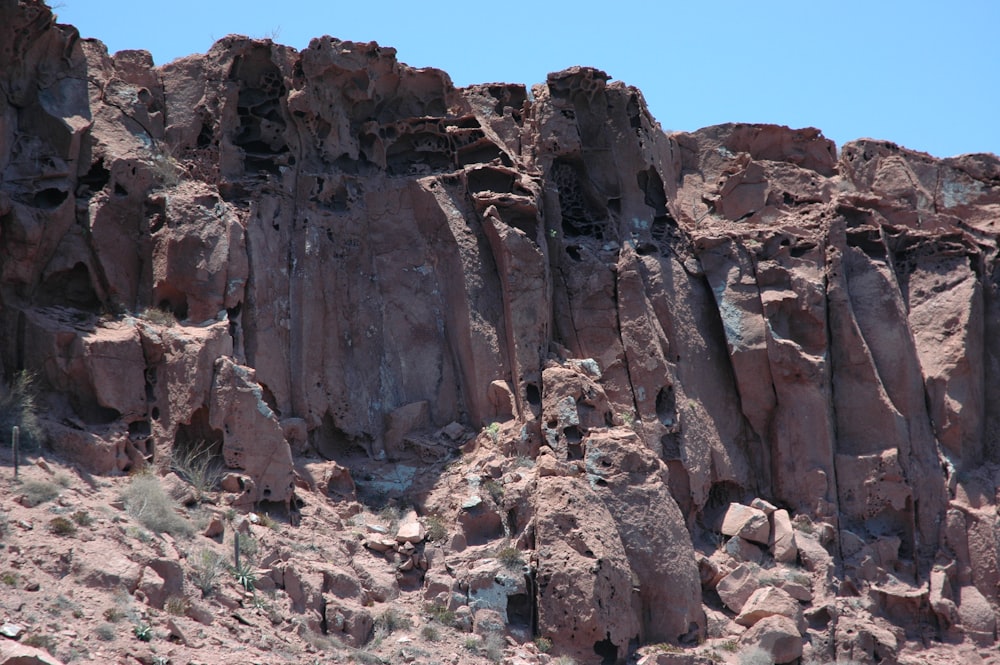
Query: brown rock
point(736, 588)
point(747, 523)
point(770, 601)
point(783, 541)
point(778, 636)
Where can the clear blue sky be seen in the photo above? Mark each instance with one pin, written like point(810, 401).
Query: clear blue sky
point(925, 74)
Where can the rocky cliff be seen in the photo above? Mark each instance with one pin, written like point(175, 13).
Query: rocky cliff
point(677, 372)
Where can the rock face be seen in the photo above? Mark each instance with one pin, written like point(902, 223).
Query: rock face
point(276, 253)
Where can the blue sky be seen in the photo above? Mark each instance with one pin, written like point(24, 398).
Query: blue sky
point(923, 74)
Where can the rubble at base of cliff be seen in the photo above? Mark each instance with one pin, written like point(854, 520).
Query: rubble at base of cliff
point(317, 358)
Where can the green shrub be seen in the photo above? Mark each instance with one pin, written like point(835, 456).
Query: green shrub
point(38, 641)
point(106, 632)
point(143, 631)
point(440, 613)
point(510, 557)
point(38, 491)
point(245, 576)
point(82, 518)
point(199, 465)
point(495, 490)
point(430, 633)
point(392, 620)
point(435, 528)
point(19, 406)
point(158, 316)
point(177, 605)
point(146, 501)
point(543, 644)
point(62, 526)
point(206, 569)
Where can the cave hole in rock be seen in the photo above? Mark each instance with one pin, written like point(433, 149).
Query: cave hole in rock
point(670, 445)
point(49, 198)
point(91, 412)
point(520, 610)
point(654, 195)
point(69, 288)
point(139, 429)
point(333, 443)
point(533, 395)
point(196, 454)
point(720, 495)
point(419, 152)
point(868, 241)
point(120, 190)
point(206, 136)
point(573, 252)
point(666, 406)
point(169, 299)
point(269, 399)
point(261, 130)
point(581, 216)
point(607, 651)
point(488, 179)
point(96, 178)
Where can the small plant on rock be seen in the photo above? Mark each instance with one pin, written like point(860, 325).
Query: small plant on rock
point(198, 465)
point(62, 526)
point(19, 406)
point(510, 557)
point(106, 632)
point(143, 631)
point(392, 620)
point(178, 606)
point(206, 569)
point(82, 518)
point(157, 316)
point(543, 644)
point(494, 489)
point(493, 431)
point(146, 500)
point(435, 528)
point(430, 633)
point(245, 576)
point(38, 491)
point(440, 613)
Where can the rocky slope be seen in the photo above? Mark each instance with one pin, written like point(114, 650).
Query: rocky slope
point(713, 391)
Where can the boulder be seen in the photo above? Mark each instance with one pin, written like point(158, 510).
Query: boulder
point(783, 546)
point(736, 588)
point(746, 522)
point(778, 636)
point(770, 601)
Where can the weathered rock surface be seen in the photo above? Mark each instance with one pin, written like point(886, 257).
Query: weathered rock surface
point(328, 269)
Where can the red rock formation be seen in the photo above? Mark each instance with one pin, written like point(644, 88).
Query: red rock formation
point(358, 254)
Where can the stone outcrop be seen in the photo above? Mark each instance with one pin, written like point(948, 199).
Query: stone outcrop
point(278, 254)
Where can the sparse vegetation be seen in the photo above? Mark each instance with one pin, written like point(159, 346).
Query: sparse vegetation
point(177, 605)
point(435, 528)
point(19, 406)
point(143, 631)
point(430, 633)
point(627, 418)
point(62, 526)
point(157, 316)
point(392, 620)
point(40, 641)
point(494, 489)
point(245, 576)
point(440, 613)
point(9, 578)
point(146, 501)
point(82, 518)
point(38, 491)
point(199, 466)
point(510, 557)
point(543, 644)
point(493, 431)
point(269, 522)
point(106, 632)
